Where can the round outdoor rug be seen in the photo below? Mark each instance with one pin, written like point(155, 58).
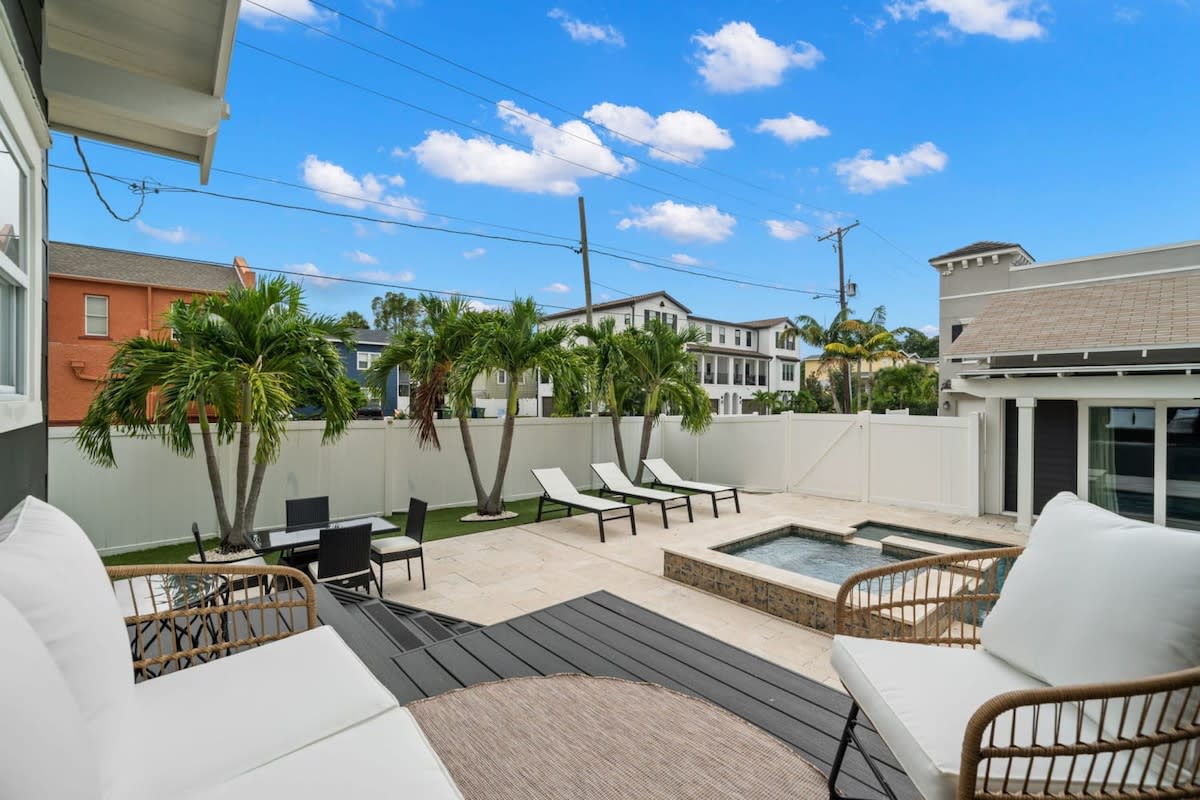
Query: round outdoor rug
point(581, 738)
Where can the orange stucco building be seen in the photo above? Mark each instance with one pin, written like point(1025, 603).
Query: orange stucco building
point(99, 297)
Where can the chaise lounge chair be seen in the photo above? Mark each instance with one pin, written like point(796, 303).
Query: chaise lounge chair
point(615, 483)
point(1068, 668)
point(665, 476)
point(558, 490)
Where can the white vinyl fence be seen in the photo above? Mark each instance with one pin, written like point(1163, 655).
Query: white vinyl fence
point(152, 496)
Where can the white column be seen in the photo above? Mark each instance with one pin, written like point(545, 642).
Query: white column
point(1025, 407)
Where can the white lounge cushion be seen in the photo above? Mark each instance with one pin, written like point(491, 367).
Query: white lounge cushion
point(238, 713)
point(920, 698)
point(51, 573)
point(558, 487)
point(387, 756)
point(699, 486)
point(45, 751)
point(394, 544)
point(1097, 598)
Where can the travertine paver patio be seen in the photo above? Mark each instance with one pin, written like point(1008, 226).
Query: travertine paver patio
point(496, 575)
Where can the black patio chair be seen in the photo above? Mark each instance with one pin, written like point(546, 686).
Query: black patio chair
point(301, 513)
point(406, 547)
point(345, 558)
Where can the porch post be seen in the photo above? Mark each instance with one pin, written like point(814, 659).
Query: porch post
point(1025, 407)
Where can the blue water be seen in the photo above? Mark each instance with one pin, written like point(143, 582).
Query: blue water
point(877, 531)
point(825, 559)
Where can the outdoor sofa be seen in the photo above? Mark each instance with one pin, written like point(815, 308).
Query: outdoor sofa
point(226, 707)
point(1068, 668)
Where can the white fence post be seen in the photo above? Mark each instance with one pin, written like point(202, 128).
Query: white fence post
point(389, 467)
point(864, 420)
point(787, 448)
point(974, 462)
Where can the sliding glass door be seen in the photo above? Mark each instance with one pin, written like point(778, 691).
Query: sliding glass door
point(1143, 461)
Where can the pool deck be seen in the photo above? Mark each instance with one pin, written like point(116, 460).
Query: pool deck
point(496, 575)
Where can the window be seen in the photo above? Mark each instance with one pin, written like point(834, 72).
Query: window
point(737, 336)
point(628, 320)
point(14, 267)
point(789, 372)
point(366, 359)
point(646, 320)
point(748, 339)
point(545, 376)
point(95, 315)
point(708, 333)
point(721, 334)
point(956, 331)
point(501, 377)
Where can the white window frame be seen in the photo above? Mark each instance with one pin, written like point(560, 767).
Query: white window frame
point(721, 334)
point(16, 274)
point(501, 377)
point(367, 356)
point(88, 316)
point(785, 368)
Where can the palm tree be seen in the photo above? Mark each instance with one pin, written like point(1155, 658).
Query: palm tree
point(239, 360)
point(912, 386)
point(867, 340)
point(514, 341)
point(431, 352)
point(664, 369)
point(770, 402)
point(608, 373)
point(814, 334)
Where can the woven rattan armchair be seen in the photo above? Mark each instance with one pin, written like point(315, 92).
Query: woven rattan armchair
point(1129, 739)
point(179, 615)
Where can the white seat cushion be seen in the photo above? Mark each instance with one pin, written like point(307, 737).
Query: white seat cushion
point(394, 544)
point(45, 750)
point(1098, 598)
point(697, 486)
point(920, 697)
point(238, 713)
point(52, 575)
point(387, 756)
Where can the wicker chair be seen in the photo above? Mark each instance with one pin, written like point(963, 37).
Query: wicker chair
point(1132, 738)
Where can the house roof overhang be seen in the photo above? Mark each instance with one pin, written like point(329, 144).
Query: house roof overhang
point(1129, 383)
point(144, 74)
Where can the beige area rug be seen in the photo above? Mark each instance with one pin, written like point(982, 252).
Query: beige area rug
point(573, 737)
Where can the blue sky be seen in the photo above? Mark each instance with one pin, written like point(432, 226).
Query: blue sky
point(1069, 127)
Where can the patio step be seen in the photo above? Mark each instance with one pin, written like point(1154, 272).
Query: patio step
point(436, 631)
point(400, 630)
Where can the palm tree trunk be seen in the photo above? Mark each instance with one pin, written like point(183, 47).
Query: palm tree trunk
point(464, 428)
point(214, 474)
point(243, 470)
point(260, 469)
point(492, 506)
point(847, 390)
point(614, 414)
point(644, 448)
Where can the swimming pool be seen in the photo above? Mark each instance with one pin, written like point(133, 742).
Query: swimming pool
point(797, 550)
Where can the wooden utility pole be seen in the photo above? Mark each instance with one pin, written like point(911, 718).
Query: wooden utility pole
point(837, 233)
point(587, 273)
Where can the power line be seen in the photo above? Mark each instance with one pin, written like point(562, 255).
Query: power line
point(561, 109)
point(810, 292)
point(526, 115)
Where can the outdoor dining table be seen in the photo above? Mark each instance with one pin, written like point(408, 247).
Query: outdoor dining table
point(284, 539)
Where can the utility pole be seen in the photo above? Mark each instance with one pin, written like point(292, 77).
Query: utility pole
point(837, 233)
point(583, 251)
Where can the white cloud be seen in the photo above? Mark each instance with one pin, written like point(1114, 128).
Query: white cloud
point(685, 259)
point(736, 58)
point(545, 171)
point(587, 32)
point(864, 174)
point(682, 222)
point(1013, 20)
point(360, 229)
point(929, 330)
point(474, 253)
point(787, 229)
point(672, 136)
point(312, 270)
point(479, 305)
point(556, 288)
point(176, 235)
point(334, 184)
point(383, 276)
point(261, 16)
point(361, 257)
point(792, 128)
point(1127, 15)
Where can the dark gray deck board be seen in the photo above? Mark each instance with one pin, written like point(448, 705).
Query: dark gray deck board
point(368, 643)
point(495, 657)
point(464, 667)
point(424, 670)
point(581, 658)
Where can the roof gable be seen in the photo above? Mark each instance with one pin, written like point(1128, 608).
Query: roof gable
point(101, 263)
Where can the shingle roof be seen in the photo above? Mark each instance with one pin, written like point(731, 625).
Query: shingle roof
point(618, 303)
point(728, 351)
point(102, 263)
point(752, 325)
point(367, 336)
point(766, 323)
point(977, 247)
point(1135, 314)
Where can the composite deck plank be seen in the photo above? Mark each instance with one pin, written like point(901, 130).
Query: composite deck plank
point(529, 651)
point(818, 746)
point(426, 672)
point(495, 657)
point(581, 658)
point(368, 643)
point(395, 628)
point(464, 667)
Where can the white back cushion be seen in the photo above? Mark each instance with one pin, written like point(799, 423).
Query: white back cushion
point(45, 753)
point(1097, 598)
point(50, 572)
